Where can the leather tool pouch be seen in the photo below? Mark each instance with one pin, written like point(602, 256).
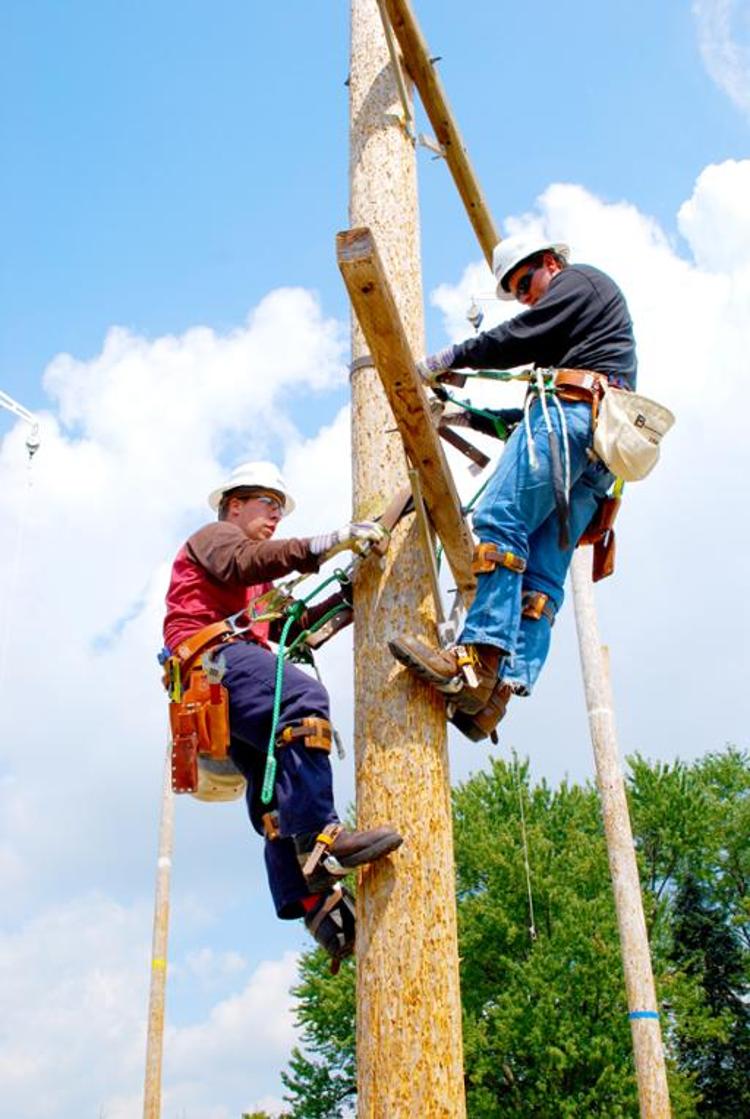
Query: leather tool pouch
point(199, 723)
point(601, 534)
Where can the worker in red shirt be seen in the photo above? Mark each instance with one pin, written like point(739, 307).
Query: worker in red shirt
point(222, 568)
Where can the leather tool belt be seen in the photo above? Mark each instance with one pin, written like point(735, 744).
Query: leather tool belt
point(581, 384)
point(228, 629)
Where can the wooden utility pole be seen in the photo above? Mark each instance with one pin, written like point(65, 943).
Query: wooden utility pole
point(156, 1002)
point(647, 1042)
point(409, 1051)
point(653, 1091)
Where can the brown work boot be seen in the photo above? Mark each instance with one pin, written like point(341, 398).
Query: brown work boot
point(334, 852)
point(444, 669)
point(483, 723)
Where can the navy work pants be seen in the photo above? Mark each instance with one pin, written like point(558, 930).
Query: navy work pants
point(303, 794)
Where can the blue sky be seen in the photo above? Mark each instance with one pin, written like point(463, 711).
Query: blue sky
point(174, 179)
point(166, 164)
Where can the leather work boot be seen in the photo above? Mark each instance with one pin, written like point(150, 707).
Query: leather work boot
point(334, 852)
point(443, 669)
point(331, 922)
point(483, 723)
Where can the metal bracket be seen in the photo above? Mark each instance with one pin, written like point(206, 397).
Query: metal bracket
point(449, 629)
point(432, 145)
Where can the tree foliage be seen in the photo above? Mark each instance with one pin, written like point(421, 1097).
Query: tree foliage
point(323, 1088)
point(546, 1030)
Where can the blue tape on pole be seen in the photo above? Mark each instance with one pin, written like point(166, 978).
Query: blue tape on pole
point(643, 1014)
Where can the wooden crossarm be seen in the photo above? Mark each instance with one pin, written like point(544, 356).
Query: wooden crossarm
point(424, 75)
point(375, 307)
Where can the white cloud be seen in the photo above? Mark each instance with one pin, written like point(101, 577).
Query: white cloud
point(73, 987)
point(724, 41)
point(74, 983)
point(133, 441)
point(715, 220)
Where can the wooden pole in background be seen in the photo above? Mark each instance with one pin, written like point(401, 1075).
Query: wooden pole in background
point(643, 1011)
point(155, 1036)
point(409, 1050)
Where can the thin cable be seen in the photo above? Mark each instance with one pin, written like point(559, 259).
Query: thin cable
point(524, 841)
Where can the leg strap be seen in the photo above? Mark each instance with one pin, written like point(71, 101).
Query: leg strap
point(537, 605)
point(270, 821)
point(323, 842)
point(316, 733)
point(487, 556)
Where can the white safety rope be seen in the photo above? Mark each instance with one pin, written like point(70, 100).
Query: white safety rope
point(565, 443)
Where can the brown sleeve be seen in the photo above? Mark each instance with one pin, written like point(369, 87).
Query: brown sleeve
point(224, 551)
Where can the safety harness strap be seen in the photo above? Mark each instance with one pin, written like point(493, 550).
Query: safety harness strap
point(487, 556)
point(323, 843)
point(270, 821)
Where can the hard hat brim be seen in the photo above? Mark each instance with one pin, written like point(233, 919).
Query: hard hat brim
point(214, 498)
point(503, 292)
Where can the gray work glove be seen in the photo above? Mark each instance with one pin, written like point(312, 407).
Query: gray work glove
point(432, 365)
point(355, 537)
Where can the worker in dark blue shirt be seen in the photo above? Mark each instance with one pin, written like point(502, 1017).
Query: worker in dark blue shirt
point(577, 329)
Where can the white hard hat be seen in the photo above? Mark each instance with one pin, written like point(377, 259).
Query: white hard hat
point(508, 254)
point(264, 475)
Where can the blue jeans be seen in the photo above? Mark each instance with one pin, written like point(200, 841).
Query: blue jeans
point(517, 513)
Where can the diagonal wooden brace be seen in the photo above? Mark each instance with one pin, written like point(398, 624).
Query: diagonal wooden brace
point(375, 307)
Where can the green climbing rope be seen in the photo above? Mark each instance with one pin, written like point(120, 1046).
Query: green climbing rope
point(294, 612)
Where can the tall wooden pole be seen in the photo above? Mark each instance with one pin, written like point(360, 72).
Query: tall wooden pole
point(409, 1051)
point(156, 1002)
point(648, 1050)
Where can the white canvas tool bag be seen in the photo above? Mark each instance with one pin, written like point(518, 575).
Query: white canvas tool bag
point(628, 432)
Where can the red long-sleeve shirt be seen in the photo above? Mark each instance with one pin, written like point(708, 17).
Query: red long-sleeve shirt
point(219, 570)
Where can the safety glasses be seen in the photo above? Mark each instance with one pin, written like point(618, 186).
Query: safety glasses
point(271, 502)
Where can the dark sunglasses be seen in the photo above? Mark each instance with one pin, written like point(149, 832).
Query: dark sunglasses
point(524, 284)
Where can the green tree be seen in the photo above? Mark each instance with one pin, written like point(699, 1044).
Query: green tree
point(713, 1032)
point(323, 1088)
point(545, 1017)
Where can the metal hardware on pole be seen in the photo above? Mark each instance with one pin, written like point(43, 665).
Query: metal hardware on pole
point(16, 409)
